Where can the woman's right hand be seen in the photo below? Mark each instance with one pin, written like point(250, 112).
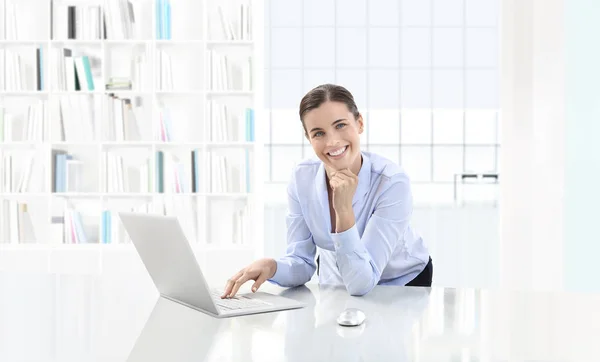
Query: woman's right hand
point(259, 271)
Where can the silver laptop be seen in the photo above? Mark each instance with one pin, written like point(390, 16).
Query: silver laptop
point(172, 265)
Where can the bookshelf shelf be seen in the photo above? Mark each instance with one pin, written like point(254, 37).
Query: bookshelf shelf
point(130, 126)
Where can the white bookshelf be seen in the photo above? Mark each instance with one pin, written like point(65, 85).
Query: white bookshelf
point(195, 32)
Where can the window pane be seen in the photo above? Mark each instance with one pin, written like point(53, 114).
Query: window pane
point(448, 127)
point(448, 88)
point(482, 48)
point(351, 47)
point(416, 48)
point(416, 161)
point(480, 159)
point(285, 159)
point(415, 127)
point(482, 12)
point(448, 47)
point(447, 161)
point(286, 127)
point(481, 127)
point(315, 77)
point(350, 12)
point(319, 12)
point(389, 152)
point(384, 13)
point(356, 83)
point(384, 46)
point(319, 47)
point(415, 88)
point(416, 12)
point(285, 13)
point(482, 89)
point(384, 127)
point(448, 12)
point(384, 89)
point(286, 88)
point(285, 51)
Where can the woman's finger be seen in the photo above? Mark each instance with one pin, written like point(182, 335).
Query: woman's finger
point(230, 283)
point(238, 283)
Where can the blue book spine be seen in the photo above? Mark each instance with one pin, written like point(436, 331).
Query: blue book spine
point(158, 19)
point(252, 125)
point(103, 228)
point(88, 72)
point(108, 227)
point(168, 16)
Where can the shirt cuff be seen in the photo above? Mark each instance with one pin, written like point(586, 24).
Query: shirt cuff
point(274, 279)
point(347, 241)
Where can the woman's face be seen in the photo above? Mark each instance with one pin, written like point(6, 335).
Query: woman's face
point(334, 134)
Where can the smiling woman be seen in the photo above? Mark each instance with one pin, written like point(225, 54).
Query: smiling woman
point(354, 206)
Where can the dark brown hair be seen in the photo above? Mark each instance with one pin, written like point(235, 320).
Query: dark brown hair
point(327, 92)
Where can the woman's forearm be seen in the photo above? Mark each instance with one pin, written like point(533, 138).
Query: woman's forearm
point(344, 221)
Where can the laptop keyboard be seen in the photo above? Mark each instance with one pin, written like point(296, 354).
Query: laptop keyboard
point(237, 302)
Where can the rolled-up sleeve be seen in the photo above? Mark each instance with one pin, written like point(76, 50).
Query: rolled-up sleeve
point(298, 265)
point(361, 260)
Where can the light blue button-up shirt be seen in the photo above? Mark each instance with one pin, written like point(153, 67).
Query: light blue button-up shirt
point(381, 247)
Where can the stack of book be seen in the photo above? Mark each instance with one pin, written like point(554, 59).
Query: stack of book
point(21, 173)
point(229, 72)
point(178, 174)
point(165, 79)
point(163, 19)
point(227, 125)
point(66, 172)
point(16, 224)
point(74, 232)
point(31, 129)
point(230, 174)
point(239, 29)
point(71, 73)
point(82, 22)
point(123, 178)
point(74, 117)
point(24, 73)
point(123, 117)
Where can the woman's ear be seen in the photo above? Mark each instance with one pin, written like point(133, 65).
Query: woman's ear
point(361, 124)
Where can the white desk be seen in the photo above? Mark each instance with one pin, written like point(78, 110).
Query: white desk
point(45, 317)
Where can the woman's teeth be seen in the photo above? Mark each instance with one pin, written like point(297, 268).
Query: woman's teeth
point(338, 151)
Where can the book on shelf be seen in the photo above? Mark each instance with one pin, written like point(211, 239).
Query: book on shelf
point(228, 72)
point(163, 19)
point(71, 73)
point(165, 125)
point(165, 78)
point(80, 22)
point(24, 72)
point(230, 174)
point(121, 177)
point(240, 230)
point(66, 172)
point(178, 173)
point(230, 125)
point(123, 118)
point(74, 232)
point(74, 117)
point(236, 24)
point(22, 172)
point(28, 128)
point(133, 77)
point(10, 16)
point(16, 223)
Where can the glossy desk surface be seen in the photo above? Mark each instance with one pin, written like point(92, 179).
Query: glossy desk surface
point(46, 317)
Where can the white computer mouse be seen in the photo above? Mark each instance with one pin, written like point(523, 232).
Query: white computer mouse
point(351, 317)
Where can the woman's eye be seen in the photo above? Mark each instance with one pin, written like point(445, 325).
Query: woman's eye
point(340, 125)
point(318, 134)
